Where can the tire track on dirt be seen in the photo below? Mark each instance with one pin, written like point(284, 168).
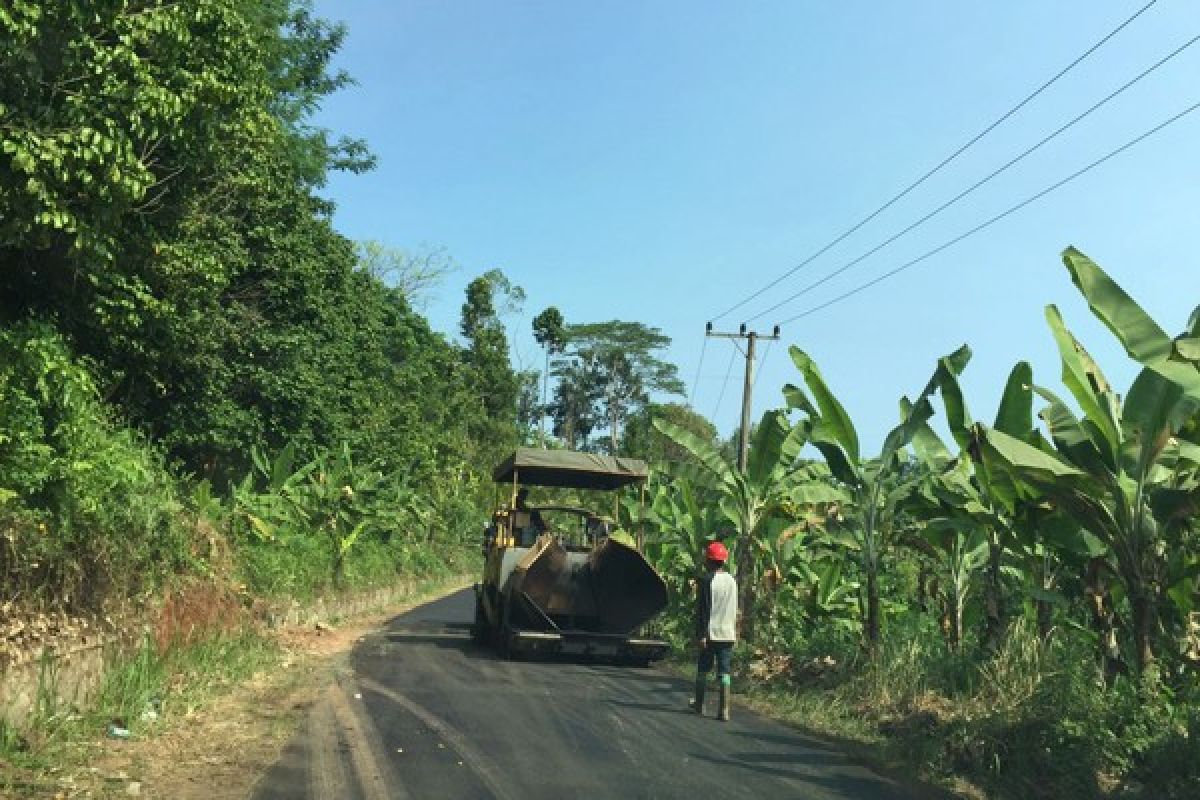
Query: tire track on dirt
point(326, 774)
point(376, 779)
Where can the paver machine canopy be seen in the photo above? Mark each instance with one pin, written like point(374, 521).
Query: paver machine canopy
point(543, 591)
point(569, 469)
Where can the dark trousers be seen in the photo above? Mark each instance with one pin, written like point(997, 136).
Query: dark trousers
point(721, 653)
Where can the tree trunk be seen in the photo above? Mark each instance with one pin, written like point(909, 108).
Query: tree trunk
point(615, 429)
point(339, 570)
point(955, 612)
point(1143, 606)
point(746, 593)
point(1045, 619)
point(922, 588)
point(1100, 604)
point(872, 607)
point(1045, 612)
point(542, 410)
point(993, 597)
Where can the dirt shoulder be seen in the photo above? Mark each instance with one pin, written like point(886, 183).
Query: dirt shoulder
point(220, 749)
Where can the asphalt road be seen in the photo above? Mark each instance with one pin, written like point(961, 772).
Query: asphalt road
point(421, 712)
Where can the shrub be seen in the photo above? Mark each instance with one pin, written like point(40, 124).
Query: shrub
point(88, 508)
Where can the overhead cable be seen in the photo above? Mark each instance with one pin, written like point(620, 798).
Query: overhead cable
point(762, 362)
point(728, 372)
point(993, 220)
point(942, 164)
point(994, 174)
point(699, 366)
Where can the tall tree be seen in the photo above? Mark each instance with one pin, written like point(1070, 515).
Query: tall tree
point(156, 198)
point(575, 407)
point(550, 332)
point(623, 358)
point(487, 357)
point(529, 409)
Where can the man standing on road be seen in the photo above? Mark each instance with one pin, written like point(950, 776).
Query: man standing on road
point(716, 619)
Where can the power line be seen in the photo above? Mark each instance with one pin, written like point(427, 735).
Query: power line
point(699, 366)
point(751, 338)
point(993, 220)
point(762, 362)
point(972, 141)
point(725, 384)
point(994, 174)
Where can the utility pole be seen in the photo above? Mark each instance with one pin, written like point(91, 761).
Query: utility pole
point(745, 551)
point(542, 415)
point(752, 338)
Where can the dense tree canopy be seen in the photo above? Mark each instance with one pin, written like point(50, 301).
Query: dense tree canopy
point(157, 201)
point(642, 440)
point(607, 371)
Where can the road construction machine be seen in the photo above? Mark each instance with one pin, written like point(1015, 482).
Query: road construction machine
point(559, 579)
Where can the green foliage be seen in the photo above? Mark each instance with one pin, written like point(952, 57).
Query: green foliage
point(331, 521)
point(159, 215)
point(492, 381)
point(549, 330)
point(606, 371)
point(1050, 562)
point(642, 440)
point(1115, 470)
point(876, 489)
point(89, 509)
point(172, 679)
point(575, 407)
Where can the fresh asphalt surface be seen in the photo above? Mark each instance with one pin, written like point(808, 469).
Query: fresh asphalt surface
point(422, 712)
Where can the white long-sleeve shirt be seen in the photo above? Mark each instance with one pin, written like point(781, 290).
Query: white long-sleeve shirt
point(716, 607)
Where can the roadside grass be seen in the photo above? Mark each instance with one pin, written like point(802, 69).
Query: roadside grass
point(140, 693)
point(150, 686)
point(1032, 720)
point(153, 689)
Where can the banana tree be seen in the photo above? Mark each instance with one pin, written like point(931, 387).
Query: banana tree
point(1026, 537)
point(267, 500)
point(872, 486)
point(828, 594)
point(802, 572)
point(748, 500)
point(680, 522)
point(963, 493)
point(813, 587)
point(343, 499)
point(1116, 469)
point(950, 527)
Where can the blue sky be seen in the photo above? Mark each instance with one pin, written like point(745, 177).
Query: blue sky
point(660, 161)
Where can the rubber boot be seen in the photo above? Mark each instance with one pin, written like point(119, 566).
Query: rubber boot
point(697, 702)
point(723, 710)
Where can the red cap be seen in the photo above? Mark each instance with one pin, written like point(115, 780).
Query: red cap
point(716, 552)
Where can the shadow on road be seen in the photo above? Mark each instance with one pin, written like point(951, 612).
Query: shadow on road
point(807, 742)
point(454, 636)
point(812, 769)
point(659, 707)
point(451, 639)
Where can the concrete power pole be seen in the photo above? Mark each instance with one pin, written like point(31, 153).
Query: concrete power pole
point(745, 553)
point(752, 338)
